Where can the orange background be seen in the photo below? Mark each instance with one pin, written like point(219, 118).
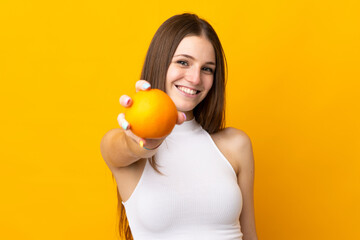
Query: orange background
point(293, 87)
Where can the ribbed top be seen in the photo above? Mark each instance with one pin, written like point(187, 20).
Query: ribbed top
point(196, 196)
point(186, 128)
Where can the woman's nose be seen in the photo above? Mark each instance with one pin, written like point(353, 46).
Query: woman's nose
point(194, 76)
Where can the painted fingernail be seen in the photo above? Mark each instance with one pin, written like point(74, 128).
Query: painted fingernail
point(125, 125)
point(119, 117)
point(127, 100)
point(145, 86)
point(184, 116)
point(141, 143)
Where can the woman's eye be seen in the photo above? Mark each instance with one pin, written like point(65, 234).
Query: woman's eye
point(184, 63)
point(206, 69)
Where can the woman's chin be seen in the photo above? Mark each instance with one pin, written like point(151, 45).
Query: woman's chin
point(185, 109)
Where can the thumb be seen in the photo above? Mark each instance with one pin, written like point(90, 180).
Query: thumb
point(181, 118)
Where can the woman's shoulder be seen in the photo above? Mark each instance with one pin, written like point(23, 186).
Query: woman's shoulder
point(233, 136)
point(234, 144)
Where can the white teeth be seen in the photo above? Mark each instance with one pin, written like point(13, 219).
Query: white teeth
point(187, 90)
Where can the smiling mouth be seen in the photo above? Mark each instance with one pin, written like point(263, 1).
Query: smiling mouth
point(187, 90)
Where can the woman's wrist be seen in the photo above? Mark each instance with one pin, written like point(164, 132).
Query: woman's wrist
point(149, 148)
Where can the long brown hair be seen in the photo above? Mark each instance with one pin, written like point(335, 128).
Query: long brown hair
point(210, 113)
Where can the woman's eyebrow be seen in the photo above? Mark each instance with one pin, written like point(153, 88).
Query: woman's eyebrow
point(191, 57)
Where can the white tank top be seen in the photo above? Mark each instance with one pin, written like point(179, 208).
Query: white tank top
point(196, 197)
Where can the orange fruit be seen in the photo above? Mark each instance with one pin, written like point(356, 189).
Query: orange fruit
point(152, 114)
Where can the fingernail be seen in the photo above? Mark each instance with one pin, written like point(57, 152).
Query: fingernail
point(119, 117)
point(145, 86)
point(184, 116)
point(141, 143)
point(125, 125)
point(127, 100)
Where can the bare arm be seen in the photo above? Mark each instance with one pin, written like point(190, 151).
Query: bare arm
point(120, 150)
point(246, 183)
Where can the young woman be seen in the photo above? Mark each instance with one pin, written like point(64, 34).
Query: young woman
point(196, 183)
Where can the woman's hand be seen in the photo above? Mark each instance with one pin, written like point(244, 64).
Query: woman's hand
point(126, 101)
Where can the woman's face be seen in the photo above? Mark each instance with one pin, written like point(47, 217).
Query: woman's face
point(191, 73)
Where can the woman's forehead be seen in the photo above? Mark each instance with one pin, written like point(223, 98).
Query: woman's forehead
point(199, 47)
